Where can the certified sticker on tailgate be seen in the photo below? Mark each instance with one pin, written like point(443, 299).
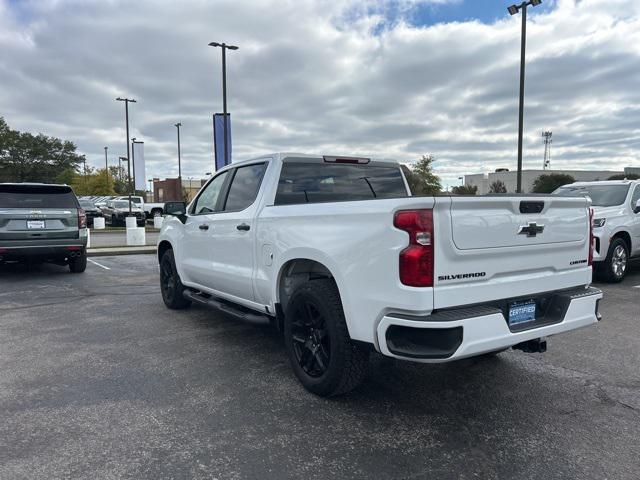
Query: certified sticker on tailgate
point(521, 312)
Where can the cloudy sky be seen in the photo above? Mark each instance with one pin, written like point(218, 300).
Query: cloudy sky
point(388, 78)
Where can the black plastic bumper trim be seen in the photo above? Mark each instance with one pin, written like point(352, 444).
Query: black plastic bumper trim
point(428, 343)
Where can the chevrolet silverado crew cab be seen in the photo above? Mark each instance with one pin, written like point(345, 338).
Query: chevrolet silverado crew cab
point(616, 223)
point(338, 255)
point(41, 222)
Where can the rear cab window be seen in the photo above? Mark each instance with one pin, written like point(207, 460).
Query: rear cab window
point(318, 182)
point(37, 197)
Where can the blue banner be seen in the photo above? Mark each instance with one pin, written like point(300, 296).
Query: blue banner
point(218, 139)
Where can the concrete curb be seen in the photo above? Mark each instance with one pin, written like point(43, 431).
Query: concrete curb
point(113, 251)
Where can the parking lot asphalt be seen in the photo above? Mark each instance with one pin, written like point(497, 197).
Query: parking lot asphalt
point(99, 380)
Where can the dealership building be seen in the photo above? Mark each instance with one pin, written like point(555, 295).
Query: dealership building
point(484, 180)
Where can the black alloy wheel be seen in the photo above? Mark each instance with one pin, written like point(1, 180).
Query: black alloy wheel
point(311, 343)
point(317, 340)
point(170, 285)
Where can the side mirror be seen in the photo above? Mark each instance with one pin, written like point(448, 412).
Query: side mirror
point(637, 209)
point(175, 208)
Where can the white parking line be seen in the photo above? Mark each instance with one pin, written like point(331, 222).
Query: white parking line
point(98, 264)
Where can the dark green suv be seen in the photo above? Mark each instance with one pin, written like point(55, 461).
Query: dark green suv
point(41, 222)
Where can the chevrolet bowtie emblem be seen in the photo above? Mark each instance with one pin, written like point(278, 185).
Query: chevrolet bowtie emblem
point(531, 230)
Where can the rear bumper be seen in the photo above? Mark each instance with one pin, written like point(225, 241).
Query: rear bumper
point(472, 331)
point(41, 252)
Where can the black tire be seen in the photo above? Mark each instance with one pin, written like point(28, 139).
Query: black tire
point(170, 285)
point(614, 268)
point(156, 212)
point(78, 264)
point(317, 342)
point(114, 222)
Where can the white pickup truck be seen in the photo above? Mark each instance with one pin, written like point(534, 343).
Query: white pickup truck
point(616, 223)
point(150, 209)
point(337, 254)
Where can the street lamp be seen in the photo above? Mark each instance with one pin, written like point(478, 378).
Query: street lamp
point(178, 125)
point(224, 48)
point(513, 9)
point(461, 180)
point(126, 114)
point(150, 189)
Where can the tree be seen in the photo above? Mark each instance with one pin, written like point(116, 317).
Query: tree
point(465, 190)
point(622, 176)
point(25, 157)
point(498, 187)
point(420, 177)
point(118, 176)
point(548, 183)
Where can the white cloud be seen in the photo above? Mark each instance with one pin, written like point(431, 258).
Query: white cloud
point(318, 76)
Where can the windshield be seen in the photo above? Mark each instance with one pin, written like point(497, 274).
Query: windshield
point(601, 195)
point(123, 204)
point(86, 204)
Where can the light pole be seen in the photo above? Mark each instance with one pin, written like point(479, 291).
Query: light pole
point(514, 9)
point(224, 48)
point(461, 180)
point(150, 183)
point(126, 116)
point(178, 125)
point(106, 167)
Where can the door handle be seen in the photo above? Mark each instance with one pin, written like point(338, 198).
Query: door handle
point(244, 227)
point(203, 226)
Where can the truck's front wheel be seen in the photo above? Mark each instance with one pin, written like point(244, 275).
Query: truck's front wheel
point(614, 268)
point(322, 355)
point(170, 285)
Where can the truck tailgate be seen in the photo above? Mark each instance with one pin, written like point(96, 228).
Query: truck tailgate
point(495, 247)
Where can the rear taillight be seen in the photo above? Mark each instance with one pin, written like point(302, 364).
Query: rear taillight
point(82, 218)
point(591, 237)
point(416, 261)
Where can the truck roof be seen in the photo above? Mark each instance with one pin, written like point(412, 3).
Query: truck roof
point(35, 184)
point(605, 182)
point(283, 155)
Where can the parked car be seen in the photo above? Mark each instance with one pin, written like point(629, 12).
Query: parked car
point(150, 209)
point(90, 210)
point(101, 202)
point(616, 205)
point(116, 211)
point(41, 222)
point(336, 253)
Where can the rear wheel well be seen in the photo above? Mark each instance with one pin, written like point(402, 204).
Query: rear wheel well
point(294, 273)
point(162, 248)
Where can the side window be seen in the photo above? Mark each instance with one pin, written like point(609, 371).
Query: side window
point(636, 197)
point(244, 187)
point(208, 199)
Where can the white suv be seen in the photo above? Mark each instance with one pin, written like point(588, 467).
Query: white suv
point(616, 221)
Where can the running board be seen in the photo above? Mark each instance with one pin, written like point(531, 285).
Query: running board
point(238, 312)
